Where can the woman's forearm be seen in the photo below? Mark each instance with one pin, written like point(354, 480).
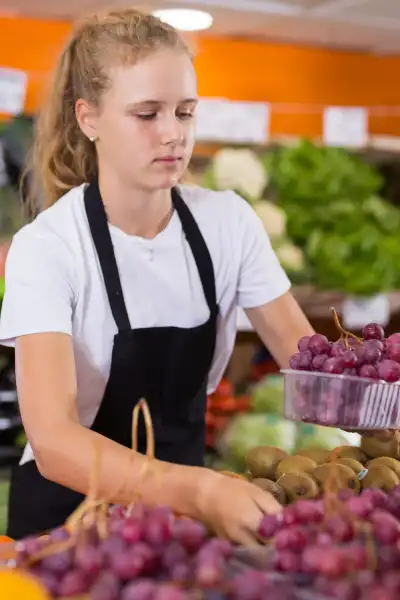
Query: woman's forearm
point(68, 457)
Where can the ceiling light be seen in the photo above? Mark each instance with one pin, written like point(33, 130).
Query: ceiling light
point(185, 19)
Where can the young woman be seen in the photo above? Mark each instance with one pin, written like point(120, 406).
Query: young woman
point(126, 287)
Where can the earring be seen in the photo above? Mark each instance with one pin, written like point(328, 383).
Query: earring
point(91, 139)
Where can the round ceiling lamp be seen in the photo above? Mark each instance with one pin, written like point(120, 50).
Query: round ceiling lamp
point(185, 19)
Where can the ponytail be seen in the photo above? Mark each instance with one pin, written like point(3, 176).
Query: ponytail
point(62, 157)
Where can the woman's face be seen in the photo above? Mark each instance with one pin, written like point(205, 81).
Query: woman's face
point(145, 128)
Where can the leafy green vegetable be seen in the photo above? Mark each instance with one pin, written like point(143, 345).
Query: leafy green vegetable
point(349, 234)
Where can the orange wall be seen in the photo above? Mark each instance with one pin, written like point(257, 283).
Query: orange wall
point(240, 71)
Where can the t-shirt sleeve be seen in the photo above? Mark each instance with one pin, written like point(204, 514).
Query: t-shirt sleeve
point(38, 288)
point(261, 276)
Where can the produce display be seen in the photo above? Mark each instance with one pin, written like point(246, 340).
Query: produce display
point(346, 383)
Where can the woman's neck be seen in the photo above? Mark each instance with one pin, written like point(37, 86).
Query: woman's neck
point(138, 212)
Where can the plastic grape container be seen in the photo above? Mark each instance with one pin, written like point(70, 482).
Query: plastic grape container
point(343, 401)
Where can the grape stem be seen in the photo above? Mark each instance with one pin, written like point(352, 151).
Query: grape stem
point(344, 335)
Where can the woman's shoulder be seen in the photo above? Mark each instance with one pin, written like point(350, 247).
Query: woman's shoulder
point(51, 233)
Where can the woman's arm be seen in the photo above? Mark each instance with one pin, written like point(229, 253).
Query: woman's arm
point(65, 450)
point(280, 324)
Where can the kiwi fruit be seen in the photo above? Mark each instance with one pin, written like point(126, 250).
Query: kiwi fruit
point(382, 477)
point(273, 488)
point(299, 486)
point(392, 463)
point(350, 462)
point(349, 452)
point(341, 476)
point(318, 455)
point(376, 447)
point(295, 464)
point(262, 461)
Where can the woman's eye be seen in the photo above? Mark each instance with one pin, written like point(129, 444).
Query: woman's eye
point(147, 117)
point(185, 115)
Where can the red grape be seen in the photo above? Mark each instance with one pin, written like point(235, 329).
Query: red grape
point(269, 525)
point(392, 582)
point(139, 590)
point(295, 361)
point(368, 371)
point(106, 587)
point(58, 563)
point(356, 557)
point(393, 352)
point(72, 584)
point(89, 560)
point(303, 343)
point(318, 361)
point(251, 585)
point(291, 538)
point(59, 535)
point(341, 589)
point(305, 361)
point(373, 331)
point(338, 349)
point(361, 506)
point(288, 561)
point(168, 592)
point(158, 530)
point(222, 547)
point(393, 339)
point(340, 529)
point(209, 569)
point(174, 554)
point(386, 527)
point(49, 580)
point(180, 573)
point(308, 511)
point(333, 366)
point(378, 592)
point(376, 496)
point(126, 566)
point(389, 370)
point(287, 517)
point(190, 534)
point(131, 530)
point(350, 359)
point(318, 344)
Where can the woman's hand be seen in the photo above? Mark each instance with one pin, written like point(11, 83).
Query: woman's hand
point(233, 508)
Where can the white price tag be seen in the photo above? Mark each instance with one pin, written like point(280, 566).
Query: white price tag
point(228, 121)
point(345, 127)
point(358, 312)
point(13, 85)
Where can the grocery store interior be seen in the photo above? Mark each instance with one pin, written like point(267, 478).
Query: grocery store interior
point(299, 113)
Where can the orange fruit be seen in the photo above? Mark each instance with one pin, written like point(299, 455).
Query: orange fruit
point(15, 584)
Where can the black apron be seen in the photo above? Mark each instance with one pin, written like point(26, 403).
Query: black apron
point(168, 366)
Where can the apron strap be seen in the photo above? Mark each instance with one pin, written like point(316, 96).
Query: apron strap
point(98, 224)
point(100, 231)
point(199, 250)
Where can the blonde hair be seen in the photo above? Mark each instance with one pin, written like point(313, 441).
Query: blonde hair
point(62, 157)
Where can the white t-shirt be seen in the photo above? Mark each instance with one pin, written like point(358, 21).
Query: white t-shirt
point(54, 282)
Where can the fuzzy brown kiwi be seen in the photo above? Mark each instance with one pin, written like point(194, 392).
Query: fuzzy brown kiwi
point(349, 452)
point(350, 462)
point(392, 463)
point(318, 455)
point(381, 477)
point(299, 486)
point(263, 460)
point(295, 464)
point(273, 488)
point(376, 447)
point(337, 476)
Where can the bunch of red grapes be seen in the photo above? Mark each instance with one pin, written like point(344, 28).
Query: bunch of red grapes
point(372, 357)
point(347, 554)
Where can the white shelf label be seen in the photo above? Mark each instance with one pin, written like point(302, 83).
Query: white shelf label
point(345, 127)
point(13, 85)
point(223, 120)
point(358, 312)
